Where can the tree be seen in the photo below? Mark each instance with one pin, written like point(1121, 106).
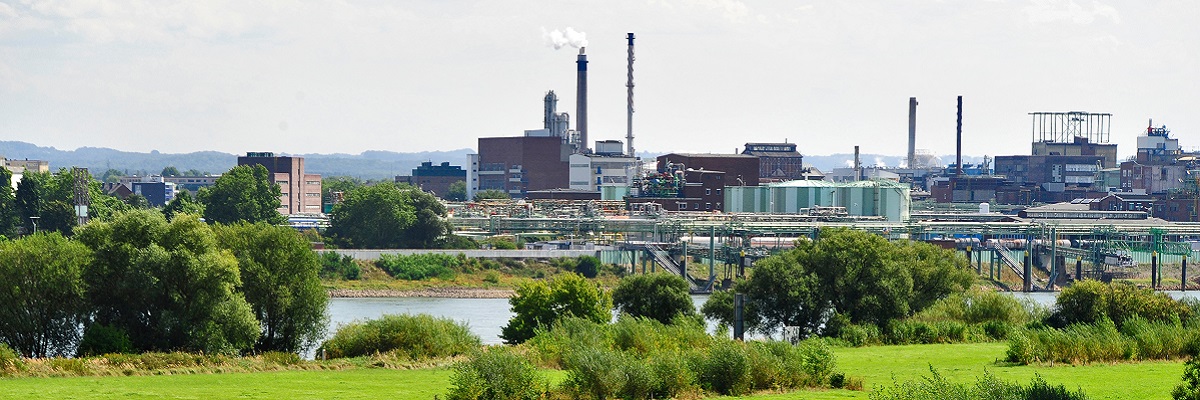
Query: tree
point(457, 191)
point(170, 171)
point(388, 216)
point(658, 296)
point(182, 204)
point(42, 303)
point(343, 184)
point(847, 277)
point(137, 201)
point(279, 279)
point(168, 286)
point(244, 194)
point(491, 194)
point(48, 197)
point(538, 304)
point(9, 216)
point(111, 176)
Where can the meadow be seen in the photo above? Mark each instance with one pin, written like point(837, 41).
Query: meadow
point(877, 365)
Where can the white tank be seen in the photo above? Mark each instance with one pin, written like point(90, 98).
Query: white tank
point(985, 208)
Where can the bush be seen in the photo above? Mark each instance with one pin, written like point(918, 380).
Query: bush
point(103, 339)
point(495, 373)
point(601, 374)
point(1189, 388)
point(336, 266)
point(1090, 301)
point(418, 266)
point(724, 369)
point(492, 277)
point(416, 337)
point(860, 335)
point(10, 361)
point(588, 266)
point(988, 387)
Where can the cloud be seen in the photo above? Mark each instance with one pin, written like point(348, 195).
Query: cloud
point(1049, 11)
point(559, 38)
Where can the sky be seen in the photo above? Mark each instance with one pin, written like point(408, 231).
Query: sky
point(319, 76)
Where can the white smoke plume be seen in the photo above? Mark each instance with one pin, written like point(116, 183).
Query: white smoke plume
point(569, 37)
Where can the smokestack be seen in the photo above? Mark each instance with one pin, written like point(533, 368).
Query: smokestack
point(857, 165)
point(912, 132)
point(629, 102)
point(581, 101)
point(959, 135)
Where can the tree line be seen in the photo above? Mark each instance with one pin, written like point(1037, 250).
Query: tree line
point(138, 282)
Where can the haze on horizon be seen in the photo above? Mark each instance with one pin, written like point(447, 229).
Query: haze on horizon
point(348, 76)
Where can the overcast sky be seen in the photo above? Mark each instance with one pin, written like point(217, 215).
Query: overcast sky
point(347, 76)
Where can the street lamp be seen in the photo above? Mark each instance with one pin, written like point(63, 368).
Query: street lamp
point(34, 221)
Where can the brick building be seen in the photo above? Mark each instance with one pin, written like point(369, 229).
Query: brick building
point(300, 192)
point(519, 164)
point(777, 161)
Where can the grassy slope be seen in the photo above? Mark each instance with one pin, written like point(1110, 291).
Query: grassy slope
point(876, 365)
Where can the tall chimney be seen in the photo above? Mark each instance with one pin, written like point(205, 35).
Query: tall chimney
point(581, 101)
point(857, 165)
point(912, 132)
point(959, 135)
point(629, 102)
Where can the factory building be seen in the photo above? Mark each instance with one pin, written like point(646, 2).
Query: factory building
point(434, 178)
point(880, 198)
point(739, 169)
point(1160, 165)
point(777, 162)
point(683, 190)
point(519, 164)
point(300, 192)
point(608, 166)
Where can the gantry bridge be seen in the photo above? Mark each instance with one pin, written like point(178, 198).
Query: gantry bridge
point(1105, 246)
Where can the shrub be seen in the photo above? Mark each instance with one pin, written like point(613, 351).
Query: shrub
point(597, 373)
point(336, 266)
point(495, 373)
point(415, 337)
point(988, 387)
point(860, 335)
point(70, 366)
point(103, 339)
point(1090, 301)
point(418, 266)
point(1189, 388)
point(724, 369)
point(492, 277)
point(10, 361)
point(672, 375)
point(588, 266)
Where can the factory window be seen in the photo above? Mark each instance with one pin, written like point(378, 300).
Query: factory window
point(696, 206)
point(284, 183)
point(708, 191)
point(681, 206)
point(707, 206)
point(718, 205)
point(718, 192)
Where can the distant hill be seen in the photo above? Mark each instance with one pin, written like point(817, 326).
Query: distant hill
point(371, 164)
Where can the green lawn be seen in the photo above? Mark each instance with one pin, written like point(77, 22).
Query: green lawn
point(876, 365)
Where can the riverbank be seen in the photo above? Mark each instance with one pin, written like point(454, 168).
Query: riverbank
point(434, 292)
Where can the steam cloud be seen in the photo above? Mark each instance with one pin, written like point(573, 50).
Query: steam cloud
point(559, 39)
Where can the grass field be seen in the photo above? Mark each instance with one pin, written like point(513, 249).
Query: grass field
point(876, 365)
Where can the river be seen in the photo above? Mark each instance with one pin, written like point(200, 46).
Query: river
point(485, 317)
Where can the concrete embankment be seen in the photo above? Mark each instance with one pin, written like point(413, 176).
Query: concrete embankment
point(449, 293)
